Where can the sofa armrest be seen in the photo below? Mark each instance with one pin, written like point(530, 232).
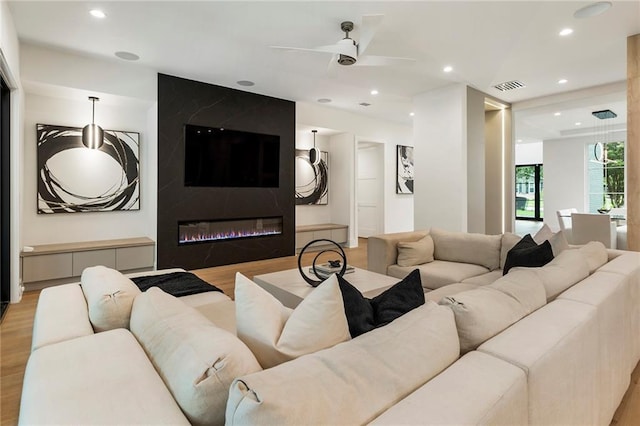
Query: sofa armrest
point(382, 250)
point(61, 315)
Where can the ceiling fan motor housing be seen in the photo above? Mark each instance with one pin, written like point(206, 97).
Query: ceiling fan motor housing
point(346, 60)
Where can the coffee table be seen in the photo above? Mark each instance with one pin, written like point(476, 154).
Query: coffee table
point(290, 288)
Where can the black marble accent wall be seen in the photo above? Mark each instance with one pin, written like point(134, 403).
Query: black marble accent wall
point(181, 102)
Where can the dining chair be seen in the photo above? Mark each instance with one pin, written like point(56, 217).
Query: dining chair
point(586, 227)
point(564, 220)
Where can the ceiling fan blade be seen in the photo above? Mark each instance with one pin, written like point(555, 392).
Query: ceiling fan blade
point(339, 49)
point(375, 61)
point(370, 24)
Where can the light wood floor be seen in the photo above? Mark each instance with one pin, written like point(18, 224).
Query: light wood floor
point(15, 335)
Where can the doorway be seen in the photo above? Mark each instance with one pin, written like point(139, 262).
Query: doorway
point(529, 192)
point(370, 188)
point(5, 208)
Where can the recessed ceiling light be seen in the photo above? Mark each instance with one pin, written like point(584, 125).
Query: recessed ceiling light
point(374, 92)
point(594, 9)
point(412, 114)
point(97, 13)
point(127, 56)
point(566, 32)
point(324, 100)
point(519, 140)
point(246, 83)
point(448, 68)
point(578, 123)
point(557, 114)
point(562, 81)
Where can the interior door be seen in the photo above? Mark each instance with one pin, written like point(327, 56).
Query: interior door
point(369, 189)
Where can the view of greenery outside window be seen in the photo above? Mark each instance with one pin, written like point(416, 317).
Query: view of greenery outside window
point(529, 195)
point(605, 168)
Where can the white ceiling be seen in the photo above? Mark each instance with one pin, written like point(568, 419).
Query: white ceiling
point(486, 43)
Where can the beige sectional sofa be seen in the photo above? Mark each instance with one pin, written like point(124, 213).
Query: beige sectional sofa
point(548, 345)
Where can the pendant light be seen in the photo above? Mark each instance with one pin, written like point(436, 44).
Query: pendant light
point(314, 154)
point(92, 134)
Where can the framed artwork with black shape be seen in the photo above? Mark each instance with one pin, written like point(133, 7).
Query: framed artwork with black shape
point(75, 179)
point(404, 169)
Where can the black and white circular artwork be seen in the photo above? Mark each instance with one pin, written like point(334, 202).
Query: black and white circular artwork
point(312, 181)
point(73, 178)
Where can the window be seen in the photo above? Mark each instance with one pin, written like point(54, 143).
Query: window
point(605, 174)
point(529, 192)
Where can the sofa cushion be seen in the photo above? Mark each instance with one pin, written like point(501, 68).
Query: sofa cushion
point(364, 314)
point(483, 312)
point(507, 242)
point(353, 382)
point(484, 279)
point(61, 314)
point(415, 252)
point(109, 297)
point(562, 272)
point(595, 254)
point(100, 379)
point(527, 253)
point(557, 346)
point(463, 247)
point(277, 334)
point(492, 392)
point(197, 360)
point(448, 290)
point(439, 272)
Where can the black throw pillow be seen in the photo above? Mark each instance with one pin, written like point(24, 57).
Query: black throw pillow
point(364, 314)
point(528, 254)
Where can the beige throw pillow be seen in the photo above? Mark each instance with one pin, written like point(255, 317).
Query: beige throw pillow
point(557, 240)
point(415, 252)
point(197, 360)
point(483, 312)
point(109, 297)
point(276, 334)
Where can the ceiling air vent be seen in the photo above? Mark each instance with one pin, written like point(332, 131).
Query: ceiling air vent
point(509, 85)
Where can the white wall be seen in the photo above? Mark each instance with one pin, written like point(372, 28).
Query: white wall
point(10, 69)
point(57, 85)
point(71, 227)
point(398, 209)
point(342, 198)
point(440, 154)
point(565, 177)
point(529, 153)
point(314, 214)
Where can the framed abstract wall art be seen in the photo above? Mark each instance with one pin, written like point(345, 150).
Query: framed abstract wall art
point(73, 178)
point(404, 168)
point(312, 181)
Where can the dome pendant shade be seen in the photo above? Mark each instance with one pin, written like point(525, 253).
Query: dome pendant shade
point(92, 134)
point(314, 153)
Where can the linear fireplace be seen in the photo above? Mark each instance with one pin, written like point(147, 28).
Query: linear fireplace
point(228, 229)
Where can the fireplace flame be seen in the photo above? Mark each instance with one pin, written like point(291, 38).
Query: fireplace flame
point(201, 231)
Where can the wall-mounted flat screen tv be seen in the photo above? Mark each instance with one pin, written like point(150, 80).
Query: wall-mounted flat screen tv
point(220, 157)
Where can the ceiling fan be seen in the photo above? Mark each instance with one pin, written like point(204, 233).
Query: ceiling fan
point(348, 52)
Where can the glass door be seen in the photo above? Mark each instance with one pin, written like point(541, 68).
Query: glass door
point(529, 192)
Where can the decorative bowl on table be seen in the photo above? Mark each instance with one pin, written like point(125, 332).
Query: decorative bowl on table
point(604, 210)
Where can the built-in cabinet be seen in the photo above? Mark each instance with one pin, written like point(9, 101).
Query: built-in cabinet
point(49, 264)
point(330, 231)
